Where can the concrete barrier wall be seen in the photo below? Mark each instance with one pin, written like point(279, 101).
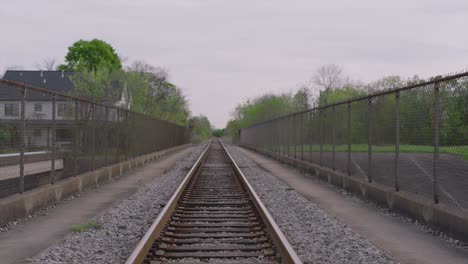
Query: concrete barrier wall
point(452, 221)
point(22, 205)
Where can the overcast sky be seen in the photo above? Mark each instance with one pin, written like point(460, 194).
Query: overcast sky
point(223, 52)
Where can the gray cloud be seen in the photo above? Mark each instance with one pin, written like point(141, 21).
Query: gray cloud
point(222, 52)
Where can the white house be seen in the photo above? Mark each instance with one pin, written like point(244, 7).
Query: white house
point(38, 106)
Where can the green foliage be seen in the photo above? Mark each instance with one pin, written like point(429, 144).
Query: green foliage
point(232, 130)
point(150, 91)
point(264, 108)
point(461, 151)
point(218, 133)
point(340, 95)
point(82, 228)
point(93, 85)
point(6, 136)
point(301, 99)
point(91, 55)
point(154, 95)
point(416, 114)
point(98, 76)
point(200, 129)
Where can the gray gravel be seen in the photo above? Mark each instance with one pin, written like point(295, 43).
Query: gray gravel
point(317, 236)
point(111, 237)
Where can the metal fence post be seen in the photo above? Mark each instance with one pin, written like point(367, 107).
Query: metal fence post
point(281, 136)
point(127, 135)
point(436, 138)
point(311, 138)
point(333, 138)
point(75, 142)
point(106, 140)
point(294, 135)
point(287, 136)
point(321, 135)
point(348, 164)
point(302, 136)
point(93, 136)
point(22, 140)
point(397, 138)
point(118, 133)
point(54, 139)
point(369, 139)
point(275, 137)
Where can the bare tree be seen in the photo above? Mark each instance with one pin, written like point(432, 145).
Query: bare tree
point(313, 91)
point(47, 64)
point(14, 68)
point(329, 76)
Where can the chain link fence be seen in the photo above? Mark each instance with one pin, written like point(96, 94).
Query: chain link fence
point(412, 139)
point(47, 136)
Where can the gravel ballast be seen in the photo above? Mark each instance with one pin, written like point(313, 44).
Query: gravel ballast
point(111, 237)
point(317, 236)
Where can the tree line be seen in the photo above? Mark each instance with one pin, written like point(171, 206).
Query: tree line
point(330, 85)
point(99, 75)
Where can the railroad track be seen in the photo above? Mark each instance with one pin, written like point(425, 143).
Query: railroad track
point(214, 216)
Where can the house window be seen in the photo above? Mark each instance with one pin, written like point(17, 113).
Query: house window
point(37, 107)
point(62, 109)
point(37, 132)
point(11, 109)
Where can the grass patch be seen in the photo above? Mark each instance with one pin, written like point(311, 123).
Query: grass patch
point(17, 150)
point(461, 151)
point(82, 228)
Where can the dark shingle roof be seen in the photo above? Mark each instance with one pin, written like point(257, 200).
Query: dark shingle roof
point(56, 81)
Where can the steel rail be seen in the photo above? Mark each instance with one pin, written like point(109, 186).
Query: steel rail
point(285, 250)
point(139, 253)
point(287, 253)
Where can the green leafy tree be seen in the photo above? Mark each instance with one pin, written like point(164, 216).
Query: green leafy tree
point(91, 84)
point(6, 136)
point(232, 130)
point(263, 108)
point(91, 55)
point(218, 132)
point(155, 95)
point(200, 129)
point(301, 99)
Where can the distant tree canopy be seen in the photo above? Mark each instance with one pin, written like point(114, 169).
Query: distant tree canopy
point(91, 55)
point(416, 109)
point(99, 76)
point(91, 84)
point(218, 132)
point(154, 95)
point(200, 129)
point(264, 108)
